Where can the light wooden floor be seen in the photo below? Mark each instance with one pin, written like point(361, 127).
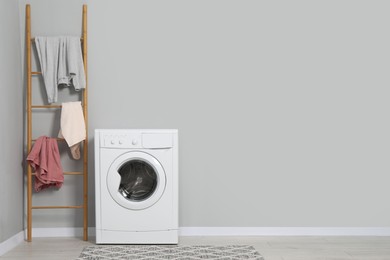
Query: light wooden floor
point(272, 248)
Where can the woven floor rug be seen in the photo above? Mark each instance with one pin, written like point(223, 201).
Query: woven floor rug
point(169, 252)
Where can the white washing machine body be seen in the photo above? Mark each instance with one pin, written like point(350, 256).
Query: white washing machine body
point(136, 186)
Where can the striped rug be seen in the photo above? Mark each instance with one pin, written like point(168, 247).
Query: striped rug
point(152, 252)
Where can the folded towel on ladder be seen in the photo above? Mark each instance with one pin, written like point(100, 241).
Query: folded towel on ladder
point(73, 126)
point(45, 161)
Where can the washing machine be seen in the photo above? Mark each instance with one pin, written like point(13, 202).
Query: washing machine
point(136, 186)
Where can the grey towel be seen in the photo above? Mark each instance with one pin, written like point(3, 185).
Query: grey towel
point(61, 63)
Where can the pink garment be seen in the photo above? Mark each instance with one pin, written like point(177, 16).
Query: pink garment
point(45, 161)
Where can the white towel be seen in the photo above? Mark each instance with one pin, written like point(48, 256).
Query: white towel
point(73, 126)
point(61, 63)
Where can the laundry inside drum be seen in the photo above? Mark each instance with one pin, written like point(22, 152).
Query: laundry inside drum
point(138, 180)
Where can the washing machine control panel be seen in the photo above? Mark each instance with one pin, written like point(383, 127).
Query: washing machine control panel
point(119, 140)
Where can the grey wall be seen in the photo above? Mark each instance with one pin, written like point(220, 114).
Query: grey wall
point(282, 107)
point(11, 118)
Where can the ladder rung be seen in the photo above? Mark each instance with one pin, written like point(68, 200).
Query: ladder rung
point(36, 72)
point(65, 173)
point(49, 106)
point(57, 207)
point(73, 173)
point(46, 106)
point(33, 39)
point(58, 139)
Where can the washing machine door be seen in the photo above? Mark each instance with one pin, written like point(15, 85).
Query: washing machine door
point(136, 180)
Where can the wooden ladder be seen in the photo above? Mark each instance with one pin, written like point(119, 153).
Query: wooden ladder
point(30, 140)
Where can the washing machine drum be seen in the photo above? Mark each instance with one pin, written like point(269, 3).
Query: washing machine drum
point(136, 180)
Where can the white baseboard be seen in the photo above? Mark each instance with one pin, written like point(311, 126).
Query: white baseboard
point(284, 231)
point(235, 231)
point(61, 232)
point(12, 242)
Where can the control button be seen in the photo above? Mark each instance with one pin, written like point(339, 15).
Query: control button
point(112, 141)
point(134, 142)
point(120, 142)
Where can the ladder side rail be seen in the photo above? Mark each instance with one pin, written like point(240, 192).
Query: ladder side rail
point(29, 121)
point(85, 110)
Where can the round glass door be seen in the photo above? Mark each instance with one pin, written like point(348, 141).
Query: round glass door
point(136, 180)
